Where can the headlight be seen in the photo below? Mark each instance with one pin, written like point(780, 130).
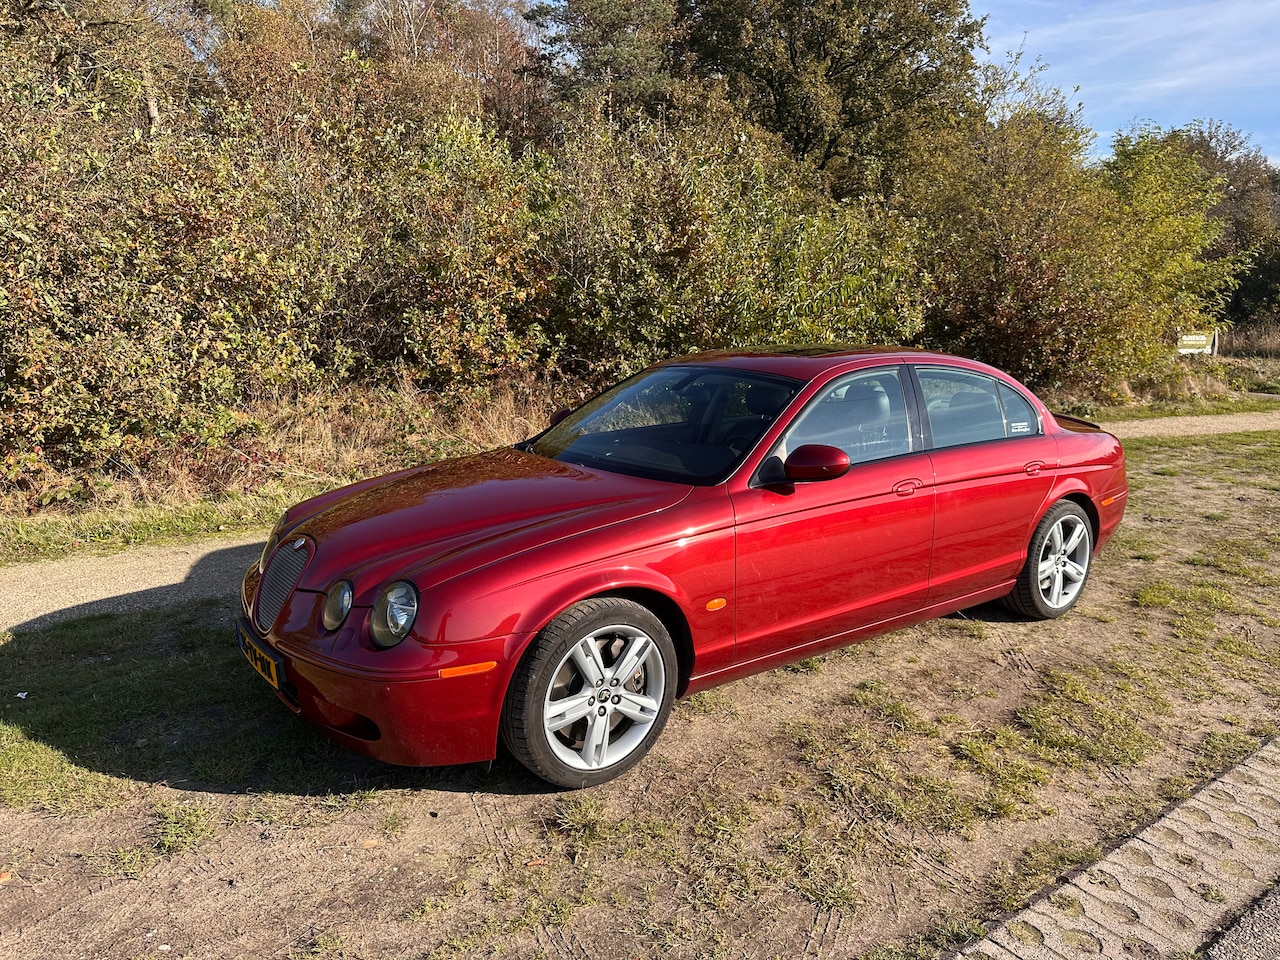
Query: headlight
point(337, 604)
point(270, 547)
point(394, 613)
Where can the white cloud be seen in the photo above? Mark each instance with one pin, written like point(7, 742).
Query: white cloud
point(1170, 62)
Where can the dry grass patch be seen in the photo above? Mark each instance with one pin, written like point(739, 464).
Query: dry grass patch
point(289, 446)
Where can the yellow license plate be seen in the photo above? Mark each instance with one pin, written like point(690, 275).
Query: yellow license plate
point(267, 664)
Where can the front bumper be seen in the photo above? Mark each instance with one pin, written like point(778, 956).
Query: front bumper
point(423, 719)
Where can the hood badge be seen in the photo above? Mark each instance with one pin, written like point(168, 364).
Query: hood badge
point(299, 543)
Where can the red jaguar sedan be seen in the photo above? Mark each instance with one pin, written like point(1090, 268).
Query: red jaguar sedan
point(709, 518)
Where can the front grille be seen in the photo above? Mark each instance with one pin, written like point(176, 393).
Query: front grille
point(281, 576)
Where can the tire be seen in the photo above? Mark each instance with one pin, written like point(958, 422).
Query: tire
point(1057, 566)
point(591, 694)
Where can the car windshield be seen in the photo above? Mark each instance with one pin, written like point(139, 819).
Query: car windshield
point(683, 424)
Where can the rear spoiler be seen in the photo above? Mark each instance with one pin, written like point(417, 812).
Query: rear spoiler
point(1075, 422)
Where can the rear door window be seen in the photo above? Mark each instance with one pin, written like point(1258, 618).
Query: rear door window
point(965, 407)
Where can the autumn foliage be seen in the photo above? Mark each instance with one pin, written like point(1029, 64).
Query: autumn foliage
point(201, 203)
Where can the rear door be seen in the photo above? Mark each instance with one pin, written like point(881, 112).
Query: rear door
point(993, 468)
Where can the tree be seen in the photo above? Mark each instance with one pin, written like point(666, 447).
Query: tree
point(1250, 205)
point(1249, 212)
point(472, 55)
point(1067, 274)
point(1257, 299)
point(619, 50)
point(670, 239)
point(1163, 235)
point(844, 82)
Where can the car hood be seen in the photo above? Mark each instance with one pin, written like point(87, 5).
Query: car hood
point(435, 522)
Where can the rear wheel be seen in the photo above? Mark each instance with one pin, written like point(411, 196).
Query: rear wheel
point(1057, 566)
point(592, 693)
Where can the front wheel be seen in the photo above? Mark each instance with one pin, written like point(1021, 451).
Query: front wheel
point(592, 693)
point(1057, 566)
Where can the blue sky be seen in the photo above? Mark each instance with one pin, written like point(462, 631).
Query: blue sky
point(1168, 62)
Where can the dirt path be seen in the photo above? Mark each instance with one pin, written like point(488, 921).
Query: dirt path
point(1195, 426)
point(34, 595)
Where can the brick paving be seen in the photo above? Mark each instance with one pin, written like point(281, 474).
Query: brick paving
point(1169, 890)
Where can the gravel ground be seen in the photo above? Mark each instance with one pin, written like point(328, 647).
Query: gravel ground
point(1256, 936)
point(1192, 426)
point(33, 595)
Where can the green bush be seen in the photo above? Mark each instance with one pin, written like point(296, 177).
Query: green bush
point(152, 280)
point(310, 202)
point(666, 240)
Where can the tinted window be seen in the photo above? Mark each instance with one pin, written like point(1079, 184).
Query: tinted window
point(865, 415)
point(968, 407)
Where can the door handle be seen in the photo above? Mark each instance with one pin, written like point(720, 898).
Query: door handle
point(905, 488)
point(1034, 467)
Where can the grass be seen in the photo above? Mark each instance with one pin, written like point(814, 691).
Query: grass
point(178, 827)
point(1253, 374)
point(885, 762)
point(1211, 456)
point(1254, 340)
point(1043, 862)
point(1198, 407)
point(125, 863)
point(919, 764)
point(951, 931)
point(105, 531)
point(181, 826)
point(114, 702)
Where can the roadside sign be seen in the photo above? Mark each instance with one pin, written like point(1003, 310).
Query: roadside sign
point(1197, 341)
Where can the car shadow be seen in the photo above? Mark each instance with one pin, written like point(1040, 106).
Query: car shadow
point(992, 612)
point(151, 686)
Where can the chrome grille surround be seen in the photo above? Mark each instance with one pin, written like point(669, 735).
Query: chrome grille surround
point(284, 567)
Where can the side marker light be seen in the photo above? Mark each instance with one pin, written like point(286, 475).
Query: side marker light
point(468, 669)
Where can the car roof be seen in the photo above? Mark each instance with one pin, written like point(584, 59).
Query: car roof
point(806, 361)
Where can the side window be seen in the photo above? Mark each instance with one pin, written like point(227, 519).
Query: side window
point(966, 407)
point(1020, 417)
point(865, 415)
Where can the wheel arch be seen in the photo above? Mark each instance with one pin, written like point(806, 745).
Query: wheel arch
point(1085, 503)
point(672, 617)
point(1073, 490)
point(661, 605)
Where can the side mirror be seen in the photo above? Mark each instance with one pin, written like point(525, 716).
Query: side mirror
point(816, 461)
point(559, 415)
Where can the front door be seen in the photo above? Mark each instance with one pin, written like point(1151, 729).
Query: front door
point(819, 559)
